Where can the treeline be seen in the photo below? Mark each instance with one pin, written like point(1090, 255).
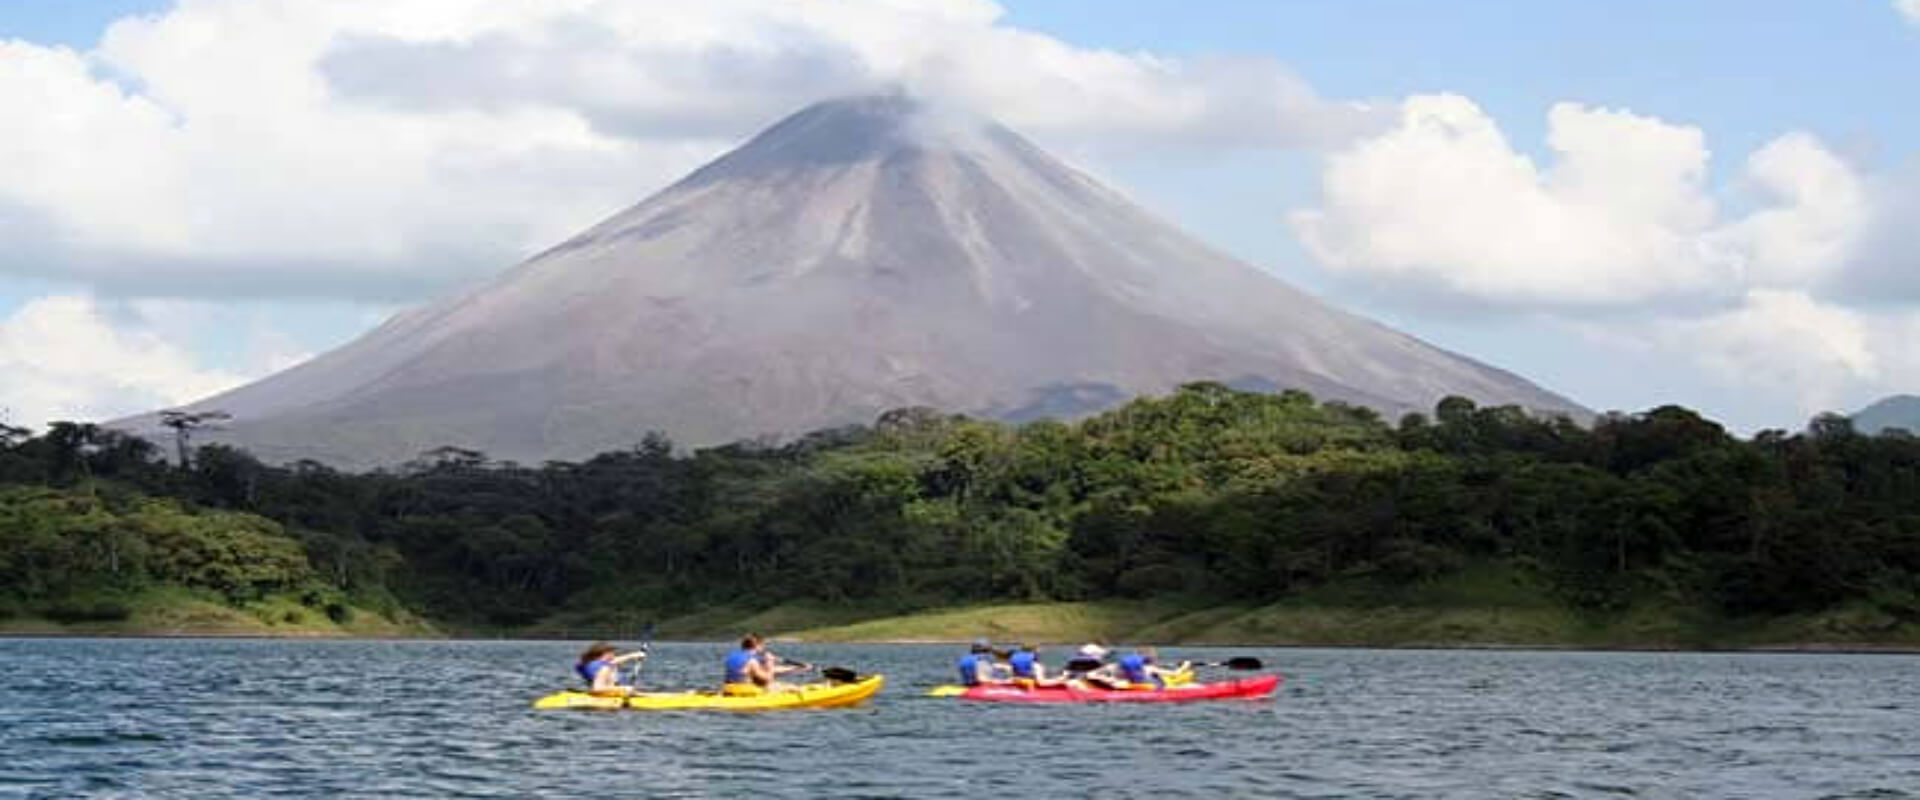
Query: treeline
point(1207, 493)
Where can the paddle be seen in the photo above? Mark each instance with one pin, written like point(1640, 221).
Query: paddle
point(646, 644)
point(834, 674)
point(830, 674)
point(1237, 662)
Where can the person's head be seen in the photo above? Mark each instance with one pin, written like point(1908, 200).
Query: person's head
point(1029, 648)
point(750, 641)
point(1093, 651)
point(1149, 653)
point(981, 646)
point(596, 652)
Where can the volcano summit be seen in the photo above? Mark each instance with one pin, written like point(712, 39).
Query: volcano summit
point(861, 255)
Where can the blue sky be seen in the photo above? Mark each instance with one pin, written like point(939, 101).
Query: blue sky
point(1799, 303)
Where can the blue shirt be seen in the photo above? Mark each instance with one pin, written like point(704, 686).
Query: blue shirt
point(1022, 662)
point(737, 663)
point(1134, 668)
point(592, 668)
point(970, 668)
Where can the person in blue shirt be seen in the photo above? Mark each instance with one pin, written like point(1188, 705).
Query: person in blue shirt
point(1026, 669)
point(978, 667)
point(753, 670)
point(1139, 670)
point(599, 666)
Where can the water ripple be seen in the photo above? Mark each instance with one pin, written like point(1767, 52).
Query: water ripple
point(229, 719)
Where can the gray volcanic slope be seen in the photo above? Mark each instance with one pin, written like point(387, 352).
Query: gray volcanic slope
point(1897, 411)
point(861, 255)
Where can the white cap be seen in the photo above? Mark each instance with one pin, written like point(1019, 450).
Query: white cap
point(1093, 651)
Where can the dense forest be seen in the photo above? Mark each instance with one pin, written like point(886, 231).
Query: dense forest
point(1207, 493)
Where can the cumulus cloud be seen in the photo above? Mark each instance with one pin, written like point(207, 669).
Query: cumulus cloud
point(1884, 268)
point(1909, 9)
point(1443, 200)
point(68, 357)
point(1796, 279)
point(1787, 342)
point(1622, 215)
point(731, 65)
point(384, 149)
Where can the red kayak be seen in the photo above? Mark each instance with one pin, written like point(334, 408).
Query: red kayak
point(1239, 689)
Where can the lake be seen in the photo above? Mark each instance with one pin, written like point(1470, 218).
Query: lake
point(250, 718)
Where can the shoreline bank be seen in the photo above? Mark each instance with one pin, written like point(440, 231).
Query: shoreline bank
point(1281, 626)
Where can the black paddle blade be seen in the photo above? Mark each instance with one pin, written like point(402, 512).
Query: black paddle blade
point(840, 675)
point(1242, 662)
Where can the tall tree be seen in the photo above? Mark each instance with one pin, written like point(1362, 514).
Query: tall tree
point(184, 423)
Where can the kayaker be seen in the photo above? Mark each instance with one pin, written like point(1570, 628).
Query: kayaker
point(978, 667)
point(1084, 668)
point(1141, 670)
point(752, 670)
point(600, 668)
point(1091, 658)
point(1028, 672)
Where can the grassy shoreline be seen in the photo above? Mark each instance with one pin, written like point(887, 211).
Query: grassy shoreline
point(171, 612)
point(1289, 624)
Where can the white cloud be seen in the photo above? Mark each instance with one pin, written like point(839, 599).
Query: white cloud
point(386, 148)
point(1622, 216)
point(66, 358)
point(1802, 297)
point(1820, 212)
point(1785, 342)
point(1885, 267)
point(1909, 9)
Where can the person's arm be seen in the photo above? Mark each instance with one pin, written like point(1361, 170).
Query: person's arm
point(758, 672)
point(607, 678)
point(622, 659)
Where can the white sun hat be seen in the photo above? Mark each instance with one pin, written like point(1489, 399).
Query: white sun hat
point(1093, 651)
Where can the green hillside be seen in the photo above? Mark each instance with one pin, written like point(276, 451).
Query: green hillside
point(1209, 515)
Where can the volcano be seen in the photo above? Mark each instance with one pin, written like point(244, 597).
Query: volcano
point(861, 255)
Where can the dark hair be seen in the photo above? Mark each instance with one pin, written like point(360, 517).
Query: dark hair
point(594, 650)
point(750, 641)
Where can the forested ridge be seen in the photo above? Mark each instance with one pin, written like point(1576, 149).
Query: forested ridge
point(1209, 493)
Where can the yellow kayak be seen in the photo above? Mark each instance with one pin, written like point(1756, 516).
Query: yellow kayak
point(812, 695)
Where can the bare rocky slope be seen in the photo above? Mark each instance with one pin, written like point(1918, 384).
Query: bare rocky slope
point(861, 255)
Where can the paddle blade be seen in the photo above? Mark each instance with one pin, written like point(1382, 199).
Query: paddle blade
point(1243, 662)
point(840, 675)
point(947, 691)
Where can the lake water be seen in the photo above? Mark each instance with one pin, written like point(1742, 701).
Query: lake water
point(220, 719)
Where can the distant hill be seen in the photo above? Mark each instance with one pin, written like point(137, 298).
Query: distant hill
point(1898, 411)
point(860, 256)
